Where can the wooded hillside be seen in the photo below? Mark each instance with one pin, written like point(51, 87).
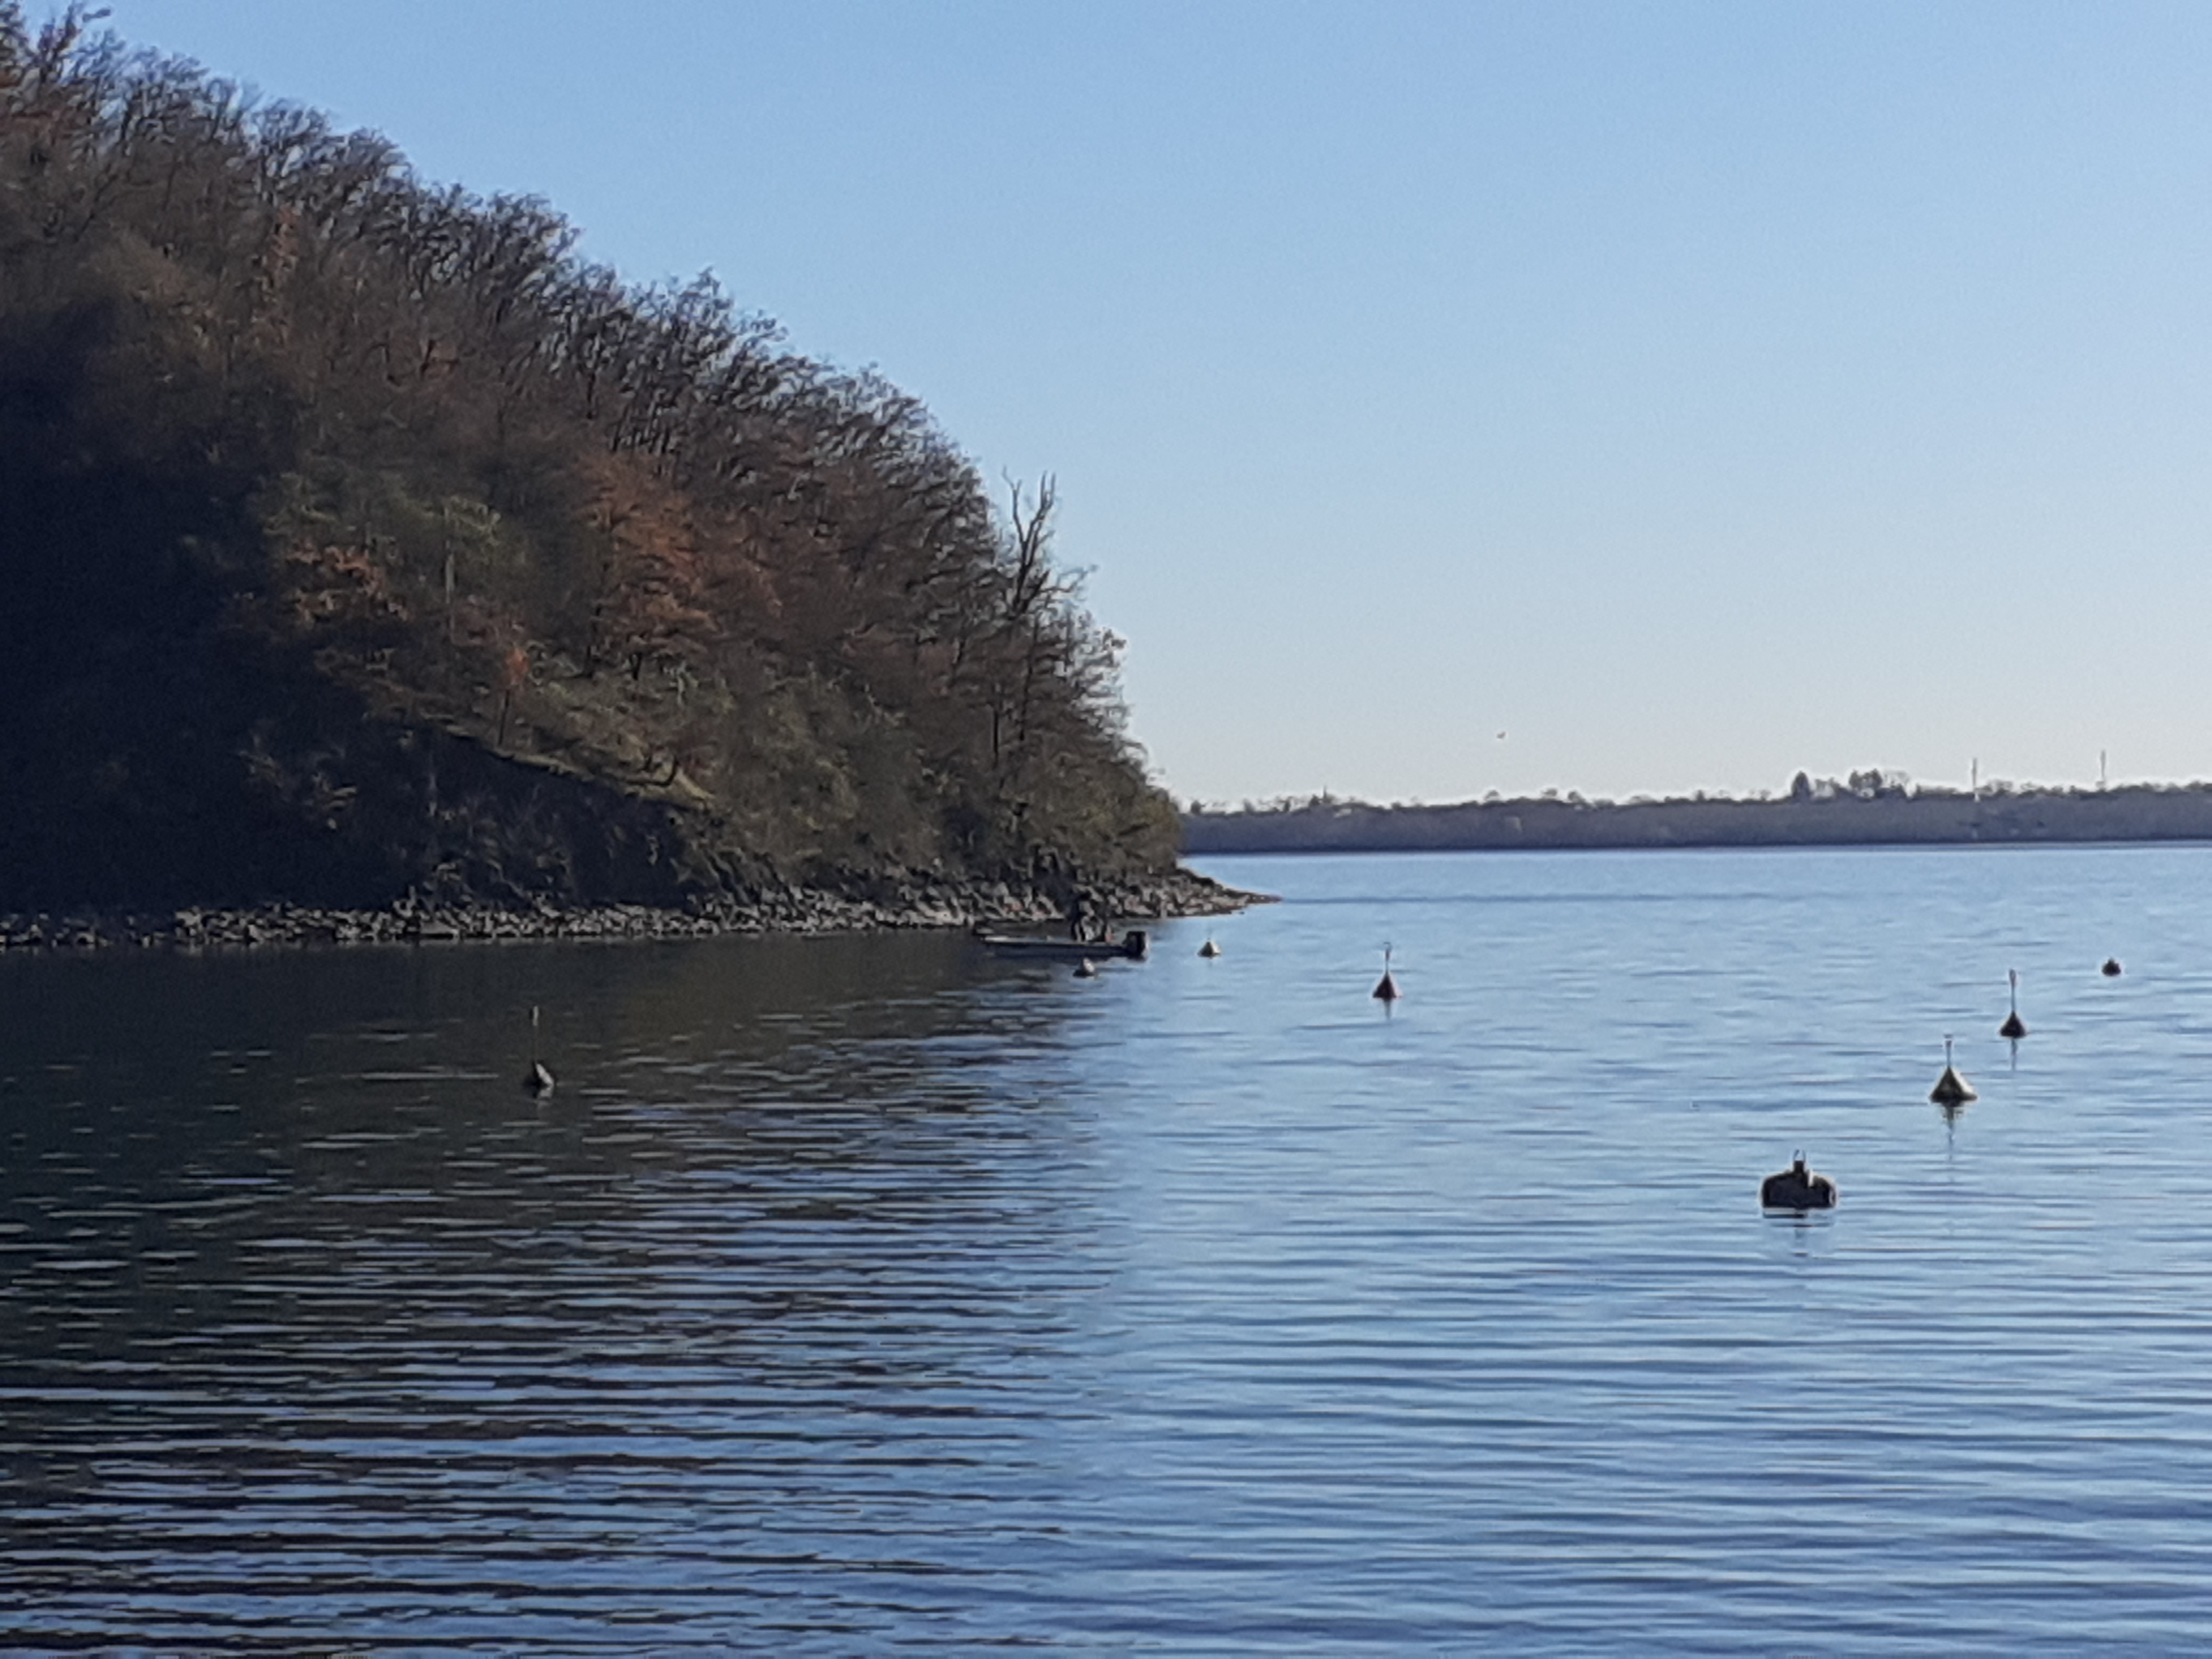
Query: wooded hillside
point(359, 537)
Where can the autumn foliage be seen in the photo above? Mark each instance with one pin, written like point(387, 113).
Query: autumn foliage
point(305, 461)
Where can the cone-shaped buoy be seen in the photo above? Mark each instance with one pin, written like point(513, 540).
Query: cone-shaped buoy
point(1951, 1089)
point(1797, 1188)
point(1086, 969)
point(536, 1079)
point(1209, 949)
point(2112, 968)
point(1385, 988)
point(2014, 1027)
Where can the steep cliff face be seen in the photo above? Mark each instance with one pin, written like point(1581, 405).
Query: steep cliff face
point(211, 775)
point(453, 822)
point(356, 539)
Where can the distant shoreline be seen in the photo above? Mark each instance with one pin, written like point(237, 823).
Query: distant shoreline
point(1874, 817)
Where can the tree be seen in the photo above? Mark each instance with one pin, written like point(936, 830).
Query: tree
point(272, 395)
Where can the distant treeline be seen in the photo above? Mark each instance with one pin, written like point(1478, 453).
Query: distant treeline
point(1874, 809)
point(357, 536)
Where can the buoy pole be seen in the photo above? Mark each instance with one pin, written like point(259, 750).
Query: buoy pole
point(536, 1079)
point(1951, 1089)
point(1386, 989)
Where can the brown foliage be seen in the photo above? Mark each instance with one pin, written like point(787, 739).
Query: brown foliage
point(453, 447)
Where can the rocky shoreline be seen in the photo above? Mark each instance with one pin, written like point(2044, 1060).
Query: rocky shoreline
point(794, 910)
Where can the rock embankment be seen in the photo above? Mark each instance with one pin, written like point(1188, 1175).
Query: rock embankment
point(788, 910)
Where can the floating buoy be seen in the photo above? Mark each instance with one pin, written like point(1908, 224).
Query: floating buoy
point(1385, 988)
point(1086, 969)
point(1951, 1089)
point(2112, 968)
point(2013, 1026)
point(1209, 949)
point(1797, 1188)
point(536, 1079)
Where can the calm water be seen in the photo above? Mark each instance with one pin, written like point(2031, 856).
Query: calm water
point(865, 1295)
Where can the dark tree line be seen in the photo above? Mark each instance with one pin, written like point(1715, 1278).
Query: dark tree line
point(275, 412)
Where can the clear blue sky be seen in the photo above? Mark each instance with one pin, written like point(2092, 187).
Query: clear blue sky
point(1692, 393)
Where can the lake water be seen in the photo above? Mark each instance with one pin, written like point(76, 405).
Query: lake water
point(863, 1295)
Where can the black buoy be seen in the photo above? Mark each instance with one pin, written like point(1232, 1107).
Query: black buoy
point(1086, 968)
point(2013, 1026)
point(1951, 1089)
point(1385, 988)
point(536, 1079)
point(1797, 1188)
point(2112, 968)
point(1209, 949)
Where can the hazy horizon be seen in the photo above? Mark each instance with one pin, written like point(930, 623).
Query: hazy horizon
point(1986, 785)
point(1694, 395)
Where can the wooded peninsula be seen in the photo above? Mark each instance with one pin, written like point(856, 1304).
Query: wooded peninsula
point(365, 545)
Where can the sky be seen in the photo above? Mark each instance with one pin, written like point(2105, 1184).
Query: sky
point(1623, 398)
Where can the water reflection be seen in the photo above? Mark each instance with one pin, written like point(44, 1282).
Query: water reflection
point(300, 1282)
point(866, 1296)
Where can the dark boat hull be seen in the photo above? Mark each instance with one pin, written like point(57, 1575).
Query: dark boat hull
point(1130, 945)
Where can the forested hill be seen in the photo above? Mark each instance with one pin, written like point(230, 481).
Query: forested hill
point(360, 538)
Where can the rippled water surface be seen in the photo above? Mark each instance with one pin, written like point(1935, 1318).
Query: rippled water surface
point(861, 1294)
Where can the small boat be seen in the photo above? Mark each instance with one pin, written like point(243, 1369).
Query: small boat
point(1044, 948)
